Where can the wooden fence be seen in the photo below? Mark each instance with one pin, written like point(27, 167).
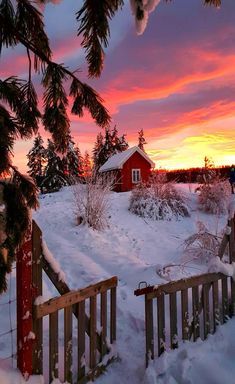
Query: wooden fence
point(189, 308)
point(95, 333)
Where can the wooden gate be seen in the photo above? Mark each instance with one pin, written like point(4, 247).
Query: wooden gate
point(188, 308)
point(78, 341)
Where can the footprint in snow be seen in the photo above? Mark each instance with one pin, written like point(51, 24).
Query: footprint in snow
point(123, 294)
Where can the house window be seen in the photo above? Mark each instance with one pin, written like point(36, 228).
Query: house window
point(135, 175)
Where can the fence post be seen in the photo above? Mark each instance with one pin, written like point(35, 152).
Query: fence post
point(37, 291)
point(232, 240)
point(24, 305)
point(149, 338)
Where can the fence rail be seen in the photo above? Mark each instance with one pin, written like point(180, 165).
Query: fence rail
point(95, 331)
point(194, 306)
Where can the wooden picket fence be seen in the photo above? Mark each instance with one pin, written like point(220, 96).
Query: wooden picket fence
point(188, 308)
point(95, 333)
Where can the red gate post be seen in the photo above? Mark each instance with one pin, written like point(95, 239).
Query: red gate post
point(24, 296)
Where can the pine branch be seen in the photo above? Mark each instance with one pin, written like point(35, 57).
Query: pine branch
point(22, 99)
point(27, 188)
point(8, 131)
point(94, 105)
point(86, 97)
point(29, 24)
point(55, 118)
point(7, 25)
point(216, 3)
point(94, 19)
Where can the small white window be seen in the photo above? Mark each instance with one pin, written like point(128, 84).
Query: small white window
point(135, 175)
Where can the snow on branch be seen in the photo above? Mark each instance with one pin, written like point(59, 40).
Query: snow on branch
point(52, 261)
point(141, 10)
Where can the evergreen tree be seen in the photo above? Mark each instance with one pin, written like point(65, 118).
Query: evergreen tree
point(108, 146)
point(72, 162)
point(119, 144)
point(36, 160)
point(141, 140)
point(123, 144)
point(87, 168)
point(107, 149)
point(96, 153)
point(54, 175)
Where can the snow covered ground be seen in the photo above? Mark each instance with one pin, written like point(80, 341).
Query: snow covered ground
point(133, 249)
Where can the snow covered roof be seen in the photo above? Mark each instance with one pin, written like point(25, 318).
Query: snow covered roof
point(117, 161)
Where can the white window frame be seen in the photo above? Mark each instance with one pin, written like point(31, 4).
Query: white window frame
point(136, 175)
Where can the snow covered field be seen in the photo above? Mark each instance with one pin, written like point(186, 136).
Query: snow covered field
point(133, 249)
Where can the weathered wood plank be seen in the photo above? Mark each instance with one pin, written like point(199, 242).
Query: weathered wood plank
point(103, 322)
point(53, 346)
point(63, 288)
point(37, 291)
point(225, 304)
point(74, 297)
point(183, 284)
point(113, 315)
point(232, 302)
point(231, 241)
point(93, 323)
point(149, 338)
point(173, 320)
point(68, 345)
point(196, 320)
point(216, 310)
point(206, 309)
point(184, 314)
point(223, 245)
point(161, 324)
point(81, 340)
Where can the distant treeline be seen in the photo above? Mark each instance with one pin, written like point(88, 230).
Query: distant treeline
point(193, 175)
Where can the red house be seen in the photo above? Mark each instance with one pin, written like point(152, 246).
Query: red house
point(129, 168)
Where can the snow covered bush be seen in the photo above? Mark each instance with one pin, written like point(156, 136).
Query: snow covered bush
point(91, 201)
point(214, 196)
point(158, 201)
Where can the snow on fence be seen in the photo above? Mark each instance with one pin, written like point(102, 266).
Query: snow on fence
point(75, 336)
point(188, 308)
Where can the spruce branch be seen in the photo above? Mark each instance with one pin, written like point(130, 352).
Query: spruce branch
point(86, 97)
point(94, 101)
point(7, 25)
point(94, 17)
point(8, 131)
point(29, 23)
point(27, 188)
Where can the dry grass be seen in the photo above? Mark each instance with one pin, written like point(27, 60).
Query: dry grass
point(91, 201)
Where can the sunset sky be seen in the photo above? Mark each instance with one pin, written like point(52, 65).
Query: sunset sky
point(176, 81)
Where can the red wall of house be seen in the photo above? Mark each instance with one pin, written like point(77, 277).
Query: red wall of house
point(134, 162)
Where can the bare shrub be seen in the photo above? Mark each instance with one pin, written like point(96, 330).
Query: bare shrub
point(91, 201)
point(214, 196)
point(202, 246)
point(159, 201)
